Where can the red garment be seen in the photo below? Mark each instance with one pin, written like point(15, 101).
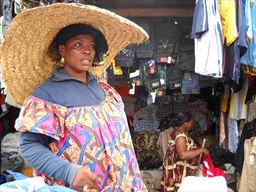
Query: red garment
point(208, 168)
point(251, 80)
point(123, 90)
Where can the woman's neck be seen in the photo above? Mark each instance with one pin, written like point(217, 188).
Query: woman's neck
point(181, 128)
point(82, 76)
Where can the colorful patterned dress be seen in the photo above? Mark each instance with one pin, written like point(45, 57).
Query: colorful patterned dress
point(174, 170)
point(97, 137)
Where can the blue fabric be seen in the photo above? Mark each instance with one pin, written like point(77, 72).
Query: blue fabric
point(55, 89)
point(2, 179)
point(249, 58)
point(240, 44)
point(200, 25)
point(35, 184)
point(7, 6)
point(16, 175)
point(190, 84)
point(34, 149)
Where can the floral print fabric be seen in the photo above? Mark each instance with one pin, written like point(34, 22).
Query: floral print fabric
point(97, 137)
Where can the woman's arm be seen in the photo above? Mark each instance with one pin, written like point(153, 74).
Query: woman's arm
point(181, 147)
point(34, 150)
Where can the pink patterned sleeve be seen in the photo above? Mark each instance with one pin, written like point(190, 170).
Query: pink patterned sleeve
point(42, 117)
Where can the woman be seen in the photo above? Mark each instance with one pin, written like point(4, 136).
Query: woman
point(74, 128)
point(182, 154)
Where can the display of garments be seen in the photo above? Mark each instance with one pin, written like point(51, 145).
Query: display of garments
point(10, 152)
point(207, 35)
point(228, 18)
point(164, 110)
point(163, 139)
point(233, 135)
point(201, 114)
point(145, 145)
point(190, 83)
point(7, 14)
point(241, 45)
point(147, 112)
point(249, 58)
point(83, 136)
point(146, 125)
point(129, 105)
point(174, 169)
point(238, 108)
point(208, 168)
point(9, 143)
point(224, 99)
point(221, 156)
point(251, 113)
point(248, 178)
point(248, 132)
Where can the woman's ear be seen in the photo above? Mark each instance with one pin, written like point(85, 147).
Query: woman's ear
point(61, 49)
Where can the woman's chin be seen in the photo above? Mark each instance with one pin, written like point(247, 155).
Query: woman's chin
point(85, 68)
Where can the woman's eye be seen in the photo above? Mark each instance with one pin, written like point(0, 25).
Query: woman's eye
point(77, 44)
point(92, 46)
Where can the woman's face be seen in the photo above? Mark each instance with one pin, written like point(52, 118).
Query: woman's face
point(189, 125)
point(78, 53)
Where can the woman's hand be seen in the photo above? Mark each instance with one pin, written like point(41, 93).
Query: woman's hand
point(205, 151)
point(85, 180)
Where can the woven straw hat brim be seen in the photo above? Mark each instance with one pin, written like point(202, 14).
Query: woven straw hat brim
point(25, 62)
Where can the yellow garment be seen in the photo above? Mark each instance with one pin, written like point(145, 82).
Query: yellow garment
point(224, 99)
point(249, 70)
point(228, 19)
point(28, 171)
point(117, 69)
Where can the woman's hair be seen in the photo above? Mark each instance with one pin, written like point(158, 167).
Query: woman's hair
point(166, 122)
point(182, 117)
point(73, 30)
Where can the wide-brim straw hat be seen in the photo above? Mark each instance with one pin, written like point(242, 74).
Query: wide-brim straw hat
point(24, 56)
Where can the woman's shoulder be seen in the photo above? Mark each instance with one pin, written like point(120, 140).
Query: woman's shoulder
point(42, 91)
point(177, 133)
point(110, 91)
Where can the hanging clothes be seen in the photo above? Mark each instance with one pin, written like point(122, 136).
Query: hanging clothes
point(233, 135)
point(163, 139)
point(249, 59)
point(248, 177)
point(207, 35)
point(240, 44)
point(238, 108)
point(228, 19)
point(7, 8)
point(248, 132)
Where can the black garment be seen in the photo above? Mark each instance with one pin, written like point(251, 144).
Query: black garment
point(248, 132)
point(251, 89)
point(230, 60)
point(221, 156)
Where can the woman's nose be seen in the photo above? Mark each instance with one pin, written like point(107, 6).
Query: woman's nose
point(88, 50)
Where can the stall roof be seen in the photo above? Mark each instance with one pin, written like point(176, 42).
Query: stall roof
point(143, 3)
point(148, 8)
